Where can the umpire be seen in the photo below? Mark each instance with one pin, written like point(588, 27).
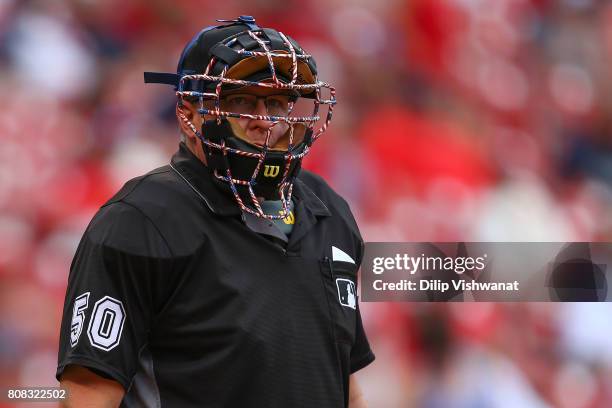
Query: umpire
point(226, 278)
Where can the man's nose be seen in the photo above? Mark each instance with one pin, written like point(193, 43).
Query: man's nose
point(260, 109)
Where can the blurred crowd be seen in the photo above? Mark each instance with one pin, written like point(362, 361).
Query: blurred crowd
point(475, 120)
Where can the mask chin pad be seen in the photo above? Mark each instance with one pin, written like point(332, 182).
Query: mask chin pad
point(243, 158)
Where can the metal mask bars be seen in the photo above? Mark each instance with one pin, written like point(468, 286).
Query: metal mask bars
point(294, 151)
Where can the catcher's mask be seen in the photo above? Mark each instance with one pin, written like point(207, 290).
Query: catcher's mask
point(217, 69)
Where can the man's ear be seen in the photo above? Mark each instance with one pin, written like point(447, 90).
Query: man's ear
point(187, 116)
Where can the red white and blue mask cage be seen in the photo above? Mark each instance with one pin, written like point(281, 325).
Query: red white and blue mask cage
point(238, 163)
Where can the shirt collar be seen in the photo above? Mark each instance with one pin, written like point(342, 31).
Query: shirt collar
point(197, 176)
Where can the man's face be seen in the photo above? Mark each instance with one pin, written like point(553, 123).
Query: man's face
point(255, 101)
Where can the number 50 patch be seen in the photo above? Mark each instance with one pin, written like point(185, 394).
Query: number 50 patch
point(105, 325)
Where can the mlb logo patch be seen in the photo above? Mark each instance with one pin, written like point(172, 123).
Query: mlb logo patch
point(346, 292)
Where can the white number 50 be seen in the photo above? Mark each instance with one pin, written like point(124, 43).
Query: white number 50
point(105, 325)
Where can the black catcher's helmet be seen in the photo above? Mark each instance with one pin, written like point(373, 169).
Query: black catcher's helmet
point(221, 60)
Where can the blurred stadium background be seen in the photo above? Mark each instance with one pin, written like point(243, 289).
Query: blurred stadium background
point(477, 120)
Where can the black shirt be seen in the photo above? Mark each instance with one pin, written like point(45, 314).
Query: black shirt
point(174, 294)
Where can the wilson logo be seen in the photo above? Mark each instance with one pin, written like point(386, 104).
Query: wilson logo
point(271, 171)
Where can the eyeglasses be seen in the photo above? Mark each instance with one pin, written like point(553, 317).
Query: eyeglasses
point(276, 105)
